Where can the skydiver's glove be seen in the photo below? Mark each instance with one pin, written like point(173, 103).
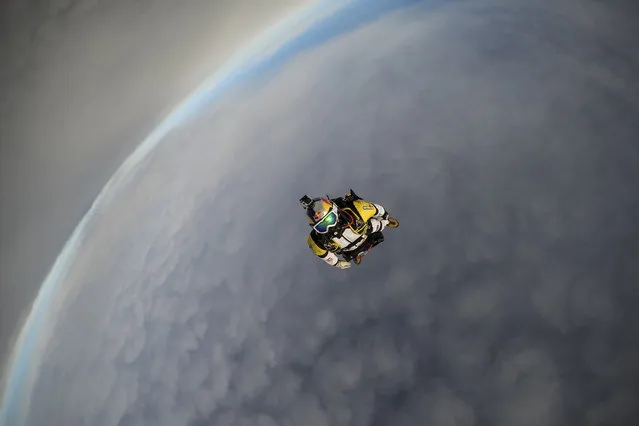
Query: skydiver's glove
point(342, 264)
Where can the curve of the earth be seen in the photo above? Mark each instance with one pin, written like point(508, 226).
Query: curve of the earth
point(308, 27)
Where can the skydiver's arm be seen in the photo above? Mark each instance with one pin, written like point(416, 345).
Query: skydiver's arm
point(381, 212)
point(330, 258)
point(327, 256)
point(379, 220)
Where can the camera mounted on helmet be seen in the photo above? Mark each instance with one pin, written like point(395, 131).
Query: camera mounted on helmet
point(306, 201)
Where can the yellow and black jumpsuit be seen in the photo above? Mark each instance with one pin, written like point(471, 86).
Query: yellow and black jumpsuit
point(360, 222)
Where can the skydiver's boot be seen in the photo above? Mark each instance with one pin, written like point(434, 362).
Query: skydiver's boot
point(358, 259)
point(392, 222)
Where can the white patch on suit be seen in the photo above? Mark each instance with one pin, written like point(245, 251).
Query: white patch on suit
point(348, 237)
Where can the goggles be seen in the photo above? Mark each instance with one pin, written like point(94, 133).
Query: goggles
point(326, 223)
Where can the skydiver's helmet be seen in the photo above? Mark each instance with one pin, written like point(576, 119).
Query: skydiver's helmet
point(322, 214)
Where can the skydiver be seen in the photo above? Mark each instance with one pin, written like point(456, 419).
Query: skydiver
point(348, 226)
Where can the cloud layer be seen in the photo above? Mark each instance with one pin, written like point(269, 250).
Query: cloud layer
point(81, 84)
point(502, 137)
